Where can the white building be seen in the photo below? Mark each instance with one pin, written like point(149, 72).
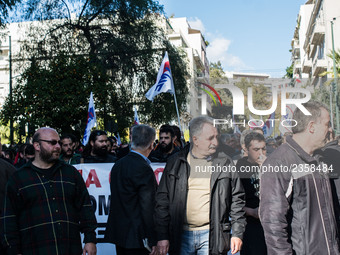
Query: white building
point(181, 35)
point(312, 40)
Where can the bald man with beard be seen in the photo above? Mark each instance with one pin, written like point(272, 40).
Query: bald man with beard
point(47, 204)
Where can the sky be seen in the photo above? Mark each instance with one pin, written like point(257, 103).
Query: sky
point(252, 36)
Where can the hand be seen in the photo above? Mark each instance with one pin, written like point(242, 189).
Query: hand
point(163, 247)
point(90, 249)
point(154, 250)
point(235, 245)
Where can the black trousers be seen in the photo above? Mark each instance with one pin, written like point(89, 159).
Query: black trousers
point(253, 239)
point(124, 251)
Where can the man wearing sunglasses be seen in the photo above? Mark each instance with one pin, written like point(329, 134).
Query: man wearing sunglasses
point(47, 204)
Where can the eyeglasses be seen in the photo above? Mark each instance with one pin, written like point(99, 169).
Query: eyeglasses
point(51, 142)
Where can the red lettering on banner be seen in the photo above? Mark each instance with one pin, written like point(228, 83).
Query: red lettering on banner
point(81, 172)
point(93, 179)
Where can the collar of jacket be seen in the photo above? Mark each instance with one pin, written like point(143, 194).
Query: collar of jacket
point(331, 144)
point(301, 152)
point(219, 158)
point(56, 166)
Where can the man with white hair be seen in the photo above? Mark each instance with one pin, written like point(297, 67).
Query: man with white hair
point(47, 204)
point(197, 205)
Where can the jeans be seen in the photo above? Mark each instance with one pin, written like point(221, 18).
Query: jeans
point(195, 242)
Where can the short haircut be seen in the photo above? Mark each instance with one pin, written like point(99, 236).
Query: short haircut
point(253, 136)
point(95, 133)
point(177, 132)
point(302, 120)
point(36, 136)
point(258, 128)
point(167, 129)
point(68, 136)
point(142, 136)
point(196, 125)
point(29, 150)
point(244, 134)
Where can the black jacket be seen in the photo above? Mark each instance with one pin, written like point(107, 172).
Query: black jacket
point(296, 209)
point(97, 159)
point(158, 156)
point(226, 200)
point(330, 154)
point(133, 188)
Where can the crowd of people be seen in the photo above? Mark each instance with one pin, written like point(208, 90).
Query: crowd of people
point(218, 193)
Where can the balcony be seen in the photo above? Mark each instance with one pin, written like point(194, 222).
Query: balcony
point(307, 66)
point(318, 32)
point(296, 47)
point(297, 67)
point(319, 66)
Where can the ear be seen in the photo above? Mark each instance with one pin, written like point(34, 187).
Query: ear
point(174, 139)
point(311, 127)
point(92, 143)
point(195, 140)
point(36, 146)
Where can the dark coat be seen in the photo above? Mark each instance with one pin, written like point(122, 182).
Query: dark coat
point(45, 211)
point(330, 154)
point(6, 170)
point(226, 200)
point(133, 188)
point(296, 208)
point(96, 159)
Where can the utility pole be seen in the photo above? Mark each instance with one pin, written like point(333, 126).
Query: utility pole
point(11, 137)
point(335, 82)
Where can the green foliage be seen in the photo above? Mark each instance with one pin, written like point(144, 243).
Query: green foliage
point(289, 71)
point(5, 6)
point(112, 48)
point(216, 70)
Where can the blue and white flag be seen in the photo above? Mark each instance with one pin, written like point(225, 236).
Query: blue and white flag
point(164, 83)
point(91, 121)
point(119, 142)
point(136, 119)
point(268, 127)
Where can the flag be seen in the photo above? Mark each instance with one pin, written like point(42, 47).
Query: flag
point(255, 122)
point(91, 120)
point(286, 119)
point(136, 119)
point(119, 142)
point(268, 127)
point(236, 129)
point(164, 83)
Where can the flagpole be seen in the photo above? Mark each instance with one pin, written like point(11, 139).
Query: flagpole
point(179, 121)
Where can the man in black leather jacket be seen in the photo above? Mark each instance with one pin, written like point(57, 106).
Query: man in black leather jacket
point(200, 194)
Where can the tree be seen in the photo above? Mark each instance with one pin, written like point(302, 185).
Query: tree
point(5, 6)
point(289, 71)
point(114, 47)
point(216, 71)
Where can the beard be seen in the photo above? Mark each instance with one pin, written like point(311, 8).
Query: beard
point(49, 157)
point(67, 153)
point(100, 151)
point(165, 148)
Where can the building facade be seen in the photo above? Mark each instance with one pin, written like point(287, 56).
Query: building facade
point(312, 40)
